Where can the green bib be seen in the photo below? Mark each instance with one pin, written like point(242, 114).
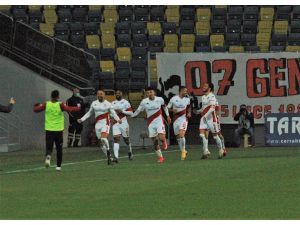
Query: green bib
point(54, 117)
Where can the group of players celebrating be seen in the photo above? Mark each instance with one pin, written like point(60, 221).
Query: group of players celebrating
point(153, 106)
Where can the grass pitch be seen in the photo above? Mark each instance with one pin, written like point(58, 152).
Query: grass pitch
point(259, 183)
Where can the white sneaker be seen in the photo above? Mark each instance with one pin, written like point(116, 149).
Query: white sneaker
point(221, 153)
point(206, 154)
point(58, 168)
point(47, 161)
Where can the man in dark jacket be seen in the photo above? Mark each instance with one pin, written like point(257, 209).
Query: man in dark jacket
point(245, 125)
point(8, 109)
point(74, 126)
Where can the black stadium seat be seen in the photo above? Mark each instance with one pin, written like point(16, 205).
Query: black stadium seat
point(138, 28)
point(64, 15)
point(107, 53)
point(187, 27)
point(248, 39)
point(155, 41)
point(283, 12)
point(139, 53)
point(94, 16)
point(125, 14)
point(80, 15)
point(251, 13)
point(233, 39)
point(169, 28)
point(91, 28)
point(218, 26)
point(124, 40)
point(279, 39)
point(141, 14)
point(250, 26)
point(235, 12)
point(36, 17)
point(219, 13)
point(157, 13)
point(187, 13)
point(234, 26)
point(123, 28)
point(140, 40)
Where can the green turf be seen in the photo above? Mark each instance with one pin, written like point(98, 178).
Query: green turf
point(259, 183)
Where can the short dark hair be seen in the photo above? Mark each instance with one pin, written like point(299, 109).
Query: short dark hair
point(150, 88)
point(119, 89)
point(181, 88)
point(211, 86)
point(55, 94)
point(100, 89)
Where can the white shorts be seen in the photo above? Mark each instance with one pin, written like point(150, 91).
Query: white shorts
point(156, 127)
point(180, 124)
point(209, 124)
point(121, 129)
point(102, 127)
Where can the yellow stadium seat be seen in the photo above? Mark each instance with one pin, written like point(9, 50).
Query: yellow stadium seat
point(171, 49)
point(107, 28)
point(202, 27)
point(171, 40)
point(50, 16)
point(281, 26)
point(34, 8)
point(154, 28)
point(95, 7)
point(124, 54)
point(108, 41)
point(265, 26)
point(110, 15)
point(135, 99)
point(220, 6)
point(93, 41)
point(217, 40)
point(184, 49)
point(153, 69)
point(266, 13)
point(173, 7)
point(203, 14)
point(107, 66)
point(292, 48)
point(188, 40)
point(110, 95)
point(110, 7)
point(173, 15)
point(5, 7)
point(49, 7)
point(47, 29)
point(263, 41)
point(236, 49)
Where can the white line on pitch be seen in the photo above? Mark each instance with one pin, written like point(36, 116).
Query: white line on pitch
point(79, 162)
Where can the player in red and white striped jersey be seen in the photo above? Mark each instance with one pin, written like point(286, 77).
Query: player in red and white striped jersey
point(180, 106)
point(102, 110)
point(123, 109)
point(156, 127)
point(218, 111)
point(209, 120)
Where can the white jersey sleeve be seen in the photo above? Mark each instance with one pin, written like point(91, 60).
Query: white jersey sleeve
point(140, 109)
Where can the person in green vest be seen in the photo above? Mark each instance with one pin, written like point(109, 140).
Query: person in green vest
point(54, 126)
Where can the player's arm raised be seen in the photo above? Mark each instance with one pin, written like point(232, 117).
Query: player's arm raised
point(39, 107)
point(65, 107)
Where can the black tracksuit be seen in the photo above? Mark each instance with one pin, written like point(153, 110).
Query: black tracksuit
point(6, 109)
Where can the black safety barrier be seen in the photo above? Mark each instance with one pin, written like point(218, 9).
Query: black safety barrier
point(6, 30)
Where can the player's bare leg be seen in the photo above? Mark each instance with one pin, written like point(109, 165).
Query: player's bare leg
point(206, 153)
point(116, 148)
point(219, 144)
point(157, 149)
point(105, 147)
point(181, 142)
point(162, 138)
point(127, 141)
point(223, 144)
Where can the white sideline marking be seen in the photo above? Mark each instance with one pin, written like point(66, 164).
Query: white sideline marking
point(79, 162)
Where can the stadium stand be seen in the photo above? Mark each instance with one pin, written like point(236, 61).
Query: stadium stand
point(128, 33)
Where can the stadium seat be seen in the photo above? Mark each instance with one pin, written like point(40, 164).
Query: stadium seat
point(64, 15)
point(283, 12)
point(250, 26)
point(292, 48)
point(294, 39)
point(124, 40)
point(248, 39)
point(265, 26)
point(279, 39)
point(95, 52)
point(235, 12)
point(171, 49)
point(281, 26)
point(184, 49)
point(49, 7)
point(263, 41)
point(64, 7)
point(153, 69)
point(218, 26)
point(125, 14)
point(135, 98)
point(138, 28)
point(266, 13)
point(157, 13)
point(154, 28)
point(219, 49)
point(202, 40)
point(93, 41)
point(219, 13)
point(172, 15)
point(141, 14)
point(155, 41)
point(91, 28)
point(187, 40)
point(110, 15)
point(277, 48)
point(76, 28)
point(106, 81)
point(35, 17)
point(251, 12)
point(20, 15)
point(233, 39)
point(216, 40)
point(203, 14)
point(94, 16)
point(139, 53)
point(236, 49)
point(108, 41)
point(295, 26)
point(203, 49)
point(80, 15)
point(140, 40)
point(107, 66)
point(155, 49)
point(187, 13)
point(122, 70)
point(187, 27)
point(47, 28)
point(234, 26)
point(107, 28)
point(107, 54)
point(61, 29)
point(36, 26)
point(253, 49)
point(124, 54)
point(123, 28)
point(169, 28)
point(171, 40)
point(202, 28)
point(33, 8)
point(95, 8)
point(139, 65)
point(78, 40)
